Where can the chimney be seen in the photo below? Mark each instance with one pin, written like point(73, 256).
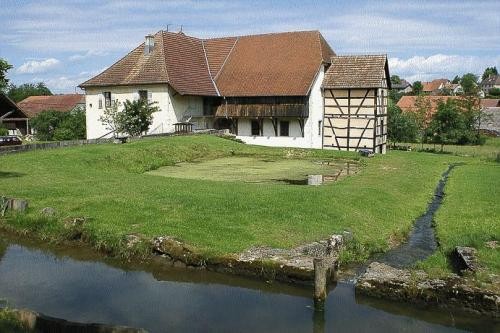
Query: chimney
point(149, 44)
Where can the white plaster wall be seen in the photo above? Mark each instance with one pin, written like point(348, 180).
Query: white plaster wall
point(173, 107)
point(312, 134)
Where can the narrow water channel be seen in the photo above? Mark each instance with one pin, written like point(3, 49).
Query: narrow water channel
point(76, 285)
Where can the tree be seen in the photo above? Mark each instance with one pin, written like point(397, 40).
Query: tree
point(135, 118)
point(456, 79)
point(3, 130)
point(495, 92)
point(18, 93)
point(446, 125)
point(4, 67)
point(72, 126)
point(489, 71)
point(469, 84)
point(395, 79)
point(54, 125)
point(401, 126)
point(423, 107)
point(417, 88)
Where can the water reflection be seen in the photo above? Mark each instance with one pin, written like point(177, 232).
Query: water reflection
point(77, 286)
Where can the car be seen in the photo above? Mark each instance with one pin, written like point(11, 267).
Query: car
point(10, 140)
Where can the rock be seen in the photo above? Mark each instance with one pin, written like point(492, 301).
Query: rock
point(48, 211)
point(491, 244)
point(74, 222)
point(34, 321)
point(132, 240)
point(465, 258)
point(177, 250)
point(17, 205)
point(383, 281)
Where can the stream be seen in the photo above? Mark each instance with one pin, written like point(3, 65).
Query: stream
point(76, 284)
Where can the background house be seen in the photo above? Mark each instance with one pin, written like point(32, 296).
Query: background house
point(403, 86)
point(434, 87)
point(12, 117)
point(33, 105)
point(492, 81)
point(266, 89)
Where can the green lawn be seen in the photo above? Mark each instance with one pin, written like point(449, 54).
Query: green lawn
point(469, 216)
point(489, 151)
point(108, 184)
point(258, 170)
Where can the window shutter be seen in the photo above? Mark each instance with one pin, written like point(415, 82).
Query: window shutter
point(150, 96)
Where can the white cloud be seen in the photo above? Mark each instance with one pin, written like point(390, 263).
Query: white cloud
point(88, 54)
point(34, 66)
point(440, 66)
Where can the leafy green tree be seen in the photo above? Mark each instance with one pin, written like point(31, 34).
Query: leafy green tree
point(447, 125)
point(395, 95)
point(401, 126)
point(18, 93)
point(45, 124)
point(135, 118)
point(494, 92)
point(489, 71)
point(3, 130)
point(54, 125)
point(456, 79)
point(423, 108)
point(395, 79)
point(4, 68)
point(469, 84)
point(72, 126)
point(417, 88)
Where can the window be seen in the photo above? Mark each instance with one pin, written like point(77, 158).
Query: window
point(284, 128)
point(107, 99)
point(143, 95)
point(255, 127)
point(319, 127)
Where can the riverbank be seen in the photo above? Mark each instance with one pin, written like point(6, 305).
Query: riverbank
point(78, 285)
point(212, 222)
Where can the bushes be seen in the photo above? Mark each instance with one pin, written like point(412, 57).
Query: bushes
point(401, 127)
point(3, 130)
point(56, 126)
point(455, 122)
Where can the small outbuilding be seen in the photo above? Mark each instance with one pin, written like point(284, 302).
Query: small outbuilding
point(355, 90)
point(12, 117)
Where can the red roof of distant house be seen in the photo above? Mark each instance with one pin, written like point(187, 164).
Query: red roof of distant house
point(276, 64)
point(433, 85)
point(408, 103)
point(490, 103)
point(33, 105)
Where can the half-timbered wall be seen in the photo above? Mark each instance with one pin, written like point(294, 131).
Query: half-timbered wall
point(355, 119)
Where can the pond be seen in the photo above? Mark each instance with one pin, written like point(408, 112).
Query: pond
point(77, 285)
point(262, 170)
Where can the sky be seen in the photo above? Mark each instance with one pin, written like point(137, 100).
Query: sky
point(64, 43)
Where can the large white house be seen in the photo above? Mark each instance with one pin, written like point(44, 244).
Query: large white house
point(281, 89)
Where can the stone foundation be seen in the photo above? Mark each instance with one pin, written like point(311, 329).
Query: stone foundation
point(383, 281)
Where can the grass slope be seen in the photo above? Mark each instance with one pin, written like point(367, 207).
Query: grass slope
point(108, 184)
point(469, 216)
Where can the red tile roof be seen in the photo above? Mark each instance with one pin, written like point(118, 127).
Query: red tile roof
point(358, 71)
point(408, 103)
point(280, 64)
point(33, 105)
point(433, 85)
point(490, 103)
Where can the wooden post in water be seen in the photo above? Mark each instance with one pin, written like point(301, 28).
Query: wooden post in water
point(321, 269)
